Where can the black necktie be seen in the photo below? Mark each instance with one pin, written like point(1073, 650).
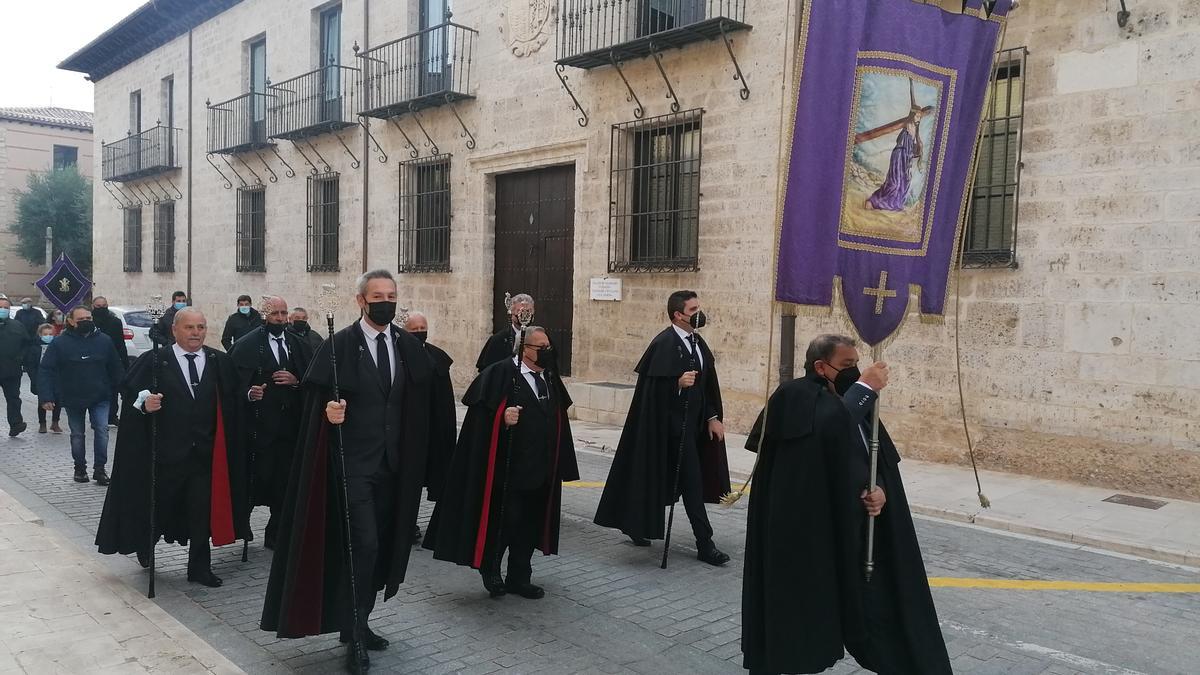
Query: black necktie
point(193, 374)
point(383, 361)
point(283, 355)
point(543, 393)
point(692, 347)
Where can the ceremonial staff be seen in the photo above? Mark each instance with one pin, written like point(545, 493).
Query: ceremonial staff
point(687, 395)
point(328, 302)
point(524, 317)
point(156, 310)
point(252, 478)
point(869, 561)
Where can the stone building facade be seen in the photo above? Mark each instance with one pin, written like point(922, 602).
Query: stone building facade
point(659, 172)
point(34, 139)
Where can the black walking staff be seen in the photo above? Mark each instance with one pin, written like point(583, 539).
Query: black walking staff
point(329, 302)
point(156, 310)
point(687, 395)
point(252, 460)
point(524, 317)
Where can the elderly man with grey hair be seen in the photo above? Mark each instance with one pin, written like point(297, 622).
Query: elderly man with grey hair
point(362, 457)
point(499, 347)
point(804, 600)
point(443, 422)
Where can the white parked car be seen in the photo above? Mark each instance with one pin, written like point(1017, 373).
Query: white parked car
point(137, 329)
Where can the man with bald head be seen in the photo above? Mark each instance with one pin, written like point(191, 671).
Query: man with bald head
point(181, 401)
point(443, 421)
point(270, 362)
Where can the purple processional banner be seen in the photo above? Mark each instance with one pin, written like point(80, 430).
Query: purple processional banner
point(64, 284)
point(887, 116)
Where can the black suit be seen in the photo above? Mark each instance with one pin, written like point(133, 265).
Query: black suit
point(497, 348)
point(699, 411)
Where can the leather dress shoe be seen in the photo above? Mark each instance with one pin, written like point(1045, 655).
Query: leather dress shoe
point(54, 428)
point(371, 640)
point(81, 476)
point(712, 555)
point(357, 660)
point(269, 541)
point(639, 541)
point(416, 535)
point(41, 427)
point(101, 477)
point(205, 579)
point(527, 590)
point(16, 429)
point(143, 559)
point(493, 583)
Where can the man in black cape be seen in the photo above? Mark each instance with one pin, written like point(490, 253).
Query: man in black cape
point(499, 347)
point(384, 378)
point(676, 375)
point(200, 470)
point(270, 363)
point(443, 422)
point(803, 596)
point(504, 487)
point(298, 325)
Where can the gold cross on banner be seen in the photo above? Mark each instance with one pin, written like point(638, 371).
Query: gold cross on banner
point(881, 293)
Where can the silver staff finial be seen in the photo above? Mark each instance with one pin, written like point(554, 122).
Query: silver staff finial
point(328, 300)
point(155, 307)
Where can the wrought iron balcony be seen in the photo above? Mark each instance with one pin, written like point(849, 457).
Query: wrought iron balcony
point(594, 33)
point(151, 152)
point(314, 103)
point(428, 68)
point(239, 124)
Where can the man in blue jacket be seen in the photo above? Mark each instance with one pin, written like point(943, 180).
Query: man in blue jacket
point(80, 371)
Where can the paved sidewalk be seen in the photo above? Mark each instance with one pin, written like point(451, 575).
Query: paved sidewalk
point(1052, 509)
point(62, 612)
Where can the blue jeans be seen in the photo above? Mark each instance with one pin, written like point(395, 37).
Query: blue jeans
point(98, 414)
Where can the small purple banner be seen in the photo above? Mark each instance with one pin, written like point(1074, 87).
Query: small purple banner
point(887, 116)
point(64, 284)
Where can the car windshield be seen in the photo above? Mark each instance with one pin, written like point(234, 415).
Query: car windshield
point(139, 319)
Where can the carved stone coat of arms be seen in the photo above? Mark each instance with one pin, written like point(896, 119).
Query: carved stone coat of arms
point(527, 24)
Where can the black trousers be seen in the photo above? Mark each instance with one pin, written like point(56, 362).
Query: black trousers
point(372, 526)
point(272, 465)
point(56, 415)
point(524, 519)
point(691, 488)
point(184, 498)
point(12, 394)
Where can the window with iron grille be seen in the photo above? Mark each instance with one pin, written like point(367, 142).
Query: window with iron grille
point(991, 229)
point(654, 194)
point(133, 239)
point(425, 215)
point(324, 221)
point(251, 229)
point(164, 237)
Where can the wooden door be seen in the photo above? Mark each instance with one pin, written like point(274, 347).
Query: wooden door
point(535, 232)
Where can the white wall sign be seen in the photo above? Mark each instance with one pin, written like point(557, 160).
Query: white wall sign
point(606, 289)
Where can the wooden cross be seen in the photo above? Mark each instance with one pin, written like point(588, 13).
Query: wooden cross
point(881, 293)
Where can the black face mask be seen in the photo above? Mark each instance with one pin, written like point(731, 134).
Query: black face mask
point(100, 312)
point(547, 359)
point(300, 326)
point(421, 335)
point(84, 327)
point(381, 313)
point(275, 329)
point(845, 379)
point(698, 320)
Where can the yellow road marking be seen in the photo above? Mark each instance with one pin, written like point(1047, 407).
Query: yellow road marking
point(1040, 585)
point(585, 484)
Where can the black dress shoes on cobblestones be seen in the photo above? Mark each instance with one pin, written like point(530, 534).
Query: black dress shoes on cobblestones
point(357, 660)
point(205, 579)
point(639, 541)
point(494, 583)
point(371, 640)
point(16, 429)
point(712, 555)
point(416, 535)
point(42, 428)
point(527, 590)
point(144, 559)
point(81, 475)
point(101, 477)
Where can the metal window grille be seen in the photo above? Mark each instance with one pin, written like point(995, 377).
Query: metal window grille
point(654, 194)
point(251, 229)
point(323, 222)
point(164, 237)
point(425, 215)
point(991, 229)
point(133, 239)
point(589, 29)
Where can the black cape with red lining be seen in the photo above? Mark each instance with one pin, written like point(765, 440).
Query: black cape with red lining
point(125, 519)
point(468, 510)
point(642, 476)
point(443, 423)
point(304, 592)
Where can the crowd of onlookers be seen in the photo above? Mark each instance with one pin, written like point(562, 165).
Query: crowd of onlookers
point(75, 361)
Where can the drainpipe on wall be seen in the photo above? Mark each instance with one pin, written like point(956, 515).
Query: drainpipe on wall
point(191, 150)
point(787, 344)
point(366, 163)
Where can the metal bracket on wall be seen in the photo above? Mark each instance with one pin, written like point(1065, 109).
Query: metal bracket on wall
point(121, 201)
point(465, 132)
point(328, 169)
point(312, 168)
point(290, 173)
point(413, 152)
point(178, 194)
point(129, 197)
point(142, 195)
point(235, 172)
point(354, 163)
point(738, 76)
point(670, 90)
point(631, 97)
point(228, 183)
point(166, 197)
point(273, 178)
point(383, 158)
point(257, 178)
point(583, 120)
point(433, 147)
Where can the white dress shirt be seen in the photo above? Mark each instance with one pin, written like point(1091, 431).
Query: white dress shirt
point(530, 376)
point(369, 334)
point(687, 344)
point(183, 364)
point(276, 346)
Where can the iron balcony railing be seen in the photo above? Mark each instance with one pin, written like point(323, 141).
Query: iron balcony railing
point(428, 68)
point(314, 103)
point(239, 124)
point(136, 156)
point(594, 33)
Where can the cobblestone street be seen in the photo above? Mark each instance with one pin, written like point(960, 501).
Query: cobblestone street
point(610, 609)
